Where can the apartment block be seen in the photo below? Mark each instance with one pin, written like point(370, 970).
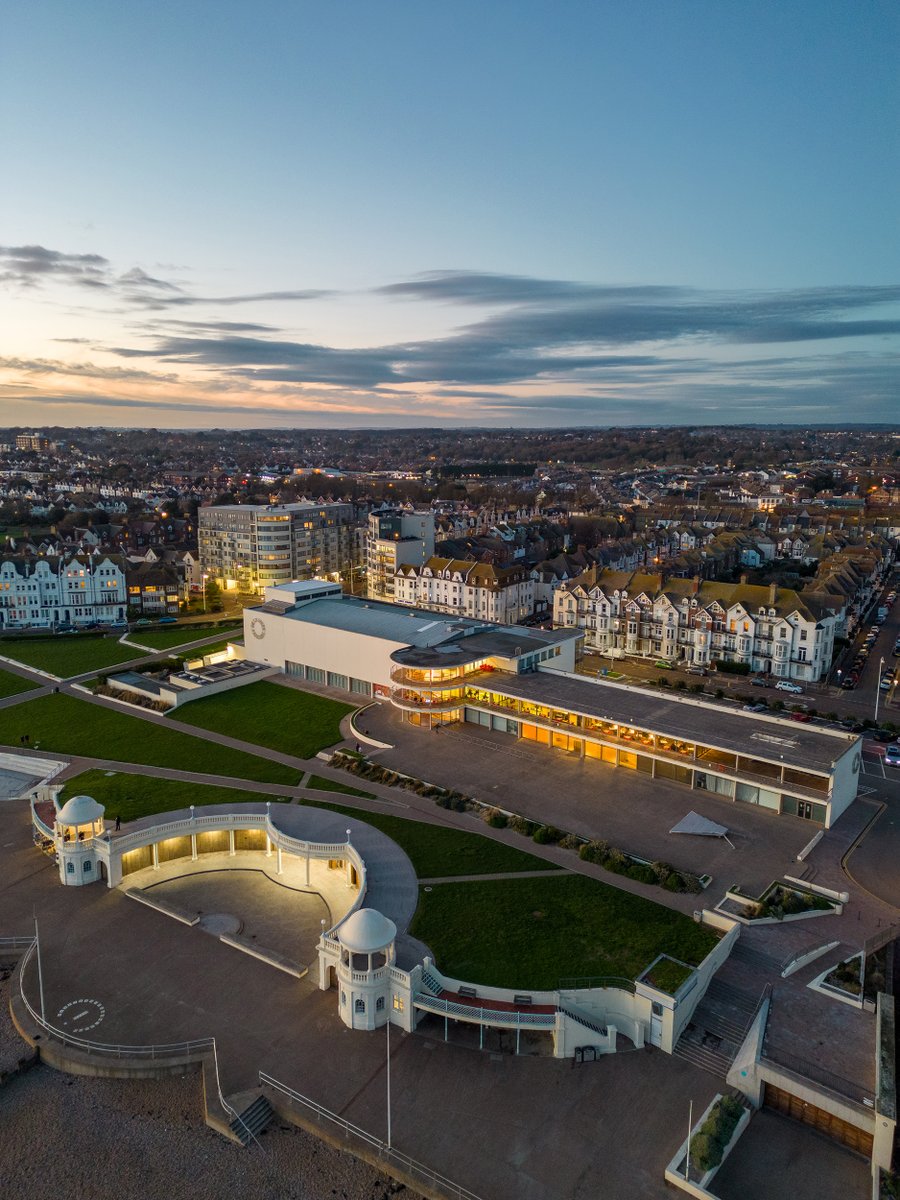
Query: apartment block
point(396, 537)
point(249, 547)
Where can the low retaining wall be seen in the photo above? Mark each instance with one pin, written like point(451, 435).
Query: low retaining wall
point(267, 956)
point(163, 906)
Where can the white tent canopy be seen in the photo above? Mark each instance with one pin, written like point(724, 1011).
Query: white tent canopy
point(702, 826)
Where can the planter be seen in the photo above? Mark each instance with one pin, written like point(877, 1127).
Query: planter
point(698, 1184)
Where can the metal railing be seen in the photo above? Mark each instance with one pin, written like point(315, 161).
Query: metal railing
point(414, 1169)
point(165, 1050)
point(589, 982)
point(194, 1048)
point(515, 1018)
point(881, 938)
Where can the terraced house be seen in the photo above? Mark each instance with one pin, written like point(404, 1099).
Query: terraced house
point(66, 590)
point(470, 589)
point(776, 630)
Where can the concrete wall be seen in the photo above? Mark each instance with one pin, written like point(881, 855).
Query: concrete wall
point(355, 655)
point(846, 781)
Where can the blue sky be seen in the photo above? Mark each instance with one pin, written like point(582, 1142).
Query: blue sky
point(299, 214)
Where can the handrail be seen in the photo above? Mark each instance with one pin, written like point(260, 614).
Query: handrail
point(482, 1016)
point(193, 1047)
point(587, 983)
point(414, 1168)
point(17, 943)
point(154, 1051)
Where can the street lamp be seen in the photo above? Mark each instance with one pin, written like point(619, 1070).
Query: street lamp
point(878, 688)
point(204, 577)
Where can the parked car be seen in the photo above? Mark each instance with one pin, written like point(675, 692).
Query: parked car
point(785, 685)
point(892, 755)
point(143, 621)
point(697, 671)
point(758, 681)
point(849, 682)
point(756, 708)
point(852, 726)
point(881, 735)
point(664, 664)
point(168, 620)
point(800, 716)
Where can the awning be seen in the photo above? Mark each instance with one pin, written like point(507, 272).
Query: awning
point(694, 823)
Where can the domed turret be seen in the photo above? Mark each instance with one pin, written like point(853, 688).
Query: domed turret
point(367, 950)
point(78, 823)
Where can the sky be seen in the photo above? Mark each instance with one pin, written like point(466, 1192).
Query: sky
point(514, 213)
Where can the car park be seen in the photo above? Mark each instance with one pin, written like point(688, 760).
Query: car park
point(785, 685)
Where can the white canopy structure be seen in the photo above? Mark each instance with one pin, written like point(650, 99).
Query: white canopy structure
point(702, 827)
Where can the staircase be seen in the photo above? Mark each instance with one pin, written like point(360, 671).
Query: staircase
point(253, 1120)
point(755, 958)
point(717, 1029)
point(583, 1019)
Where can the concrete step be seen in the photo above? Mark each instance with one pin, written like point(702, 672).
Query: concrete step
point(253, 1120)
point(701, 1056)
point(755, 958)
point(727, 993)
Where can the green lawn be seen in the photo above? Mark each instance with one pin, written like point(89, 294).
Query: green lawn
point(209, 648)
point(183, 635)
point(133, 796)
point(11, 685)
point(530, 933)
point(318, 783)
point(60, 722)
point(67, 656)
point(436, 851)
point(282, 718)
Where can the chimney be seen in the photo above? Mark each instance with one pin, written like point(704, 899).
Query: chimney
point(773, 592)
point(696, 585)
point(744, 578)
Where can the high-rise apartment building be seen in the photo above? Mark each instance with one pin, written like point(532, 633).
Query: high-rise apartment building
point(396, 536)
point(250, 547)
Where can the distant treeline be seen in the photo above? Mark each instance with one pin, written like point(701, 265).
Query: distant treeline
point(486, 470)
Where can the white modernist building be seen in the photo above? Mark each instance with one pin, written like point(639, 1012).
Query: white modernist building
point(521, 682)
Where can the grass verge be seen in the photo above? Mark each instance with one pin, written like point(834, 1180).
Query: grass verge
point(67, 656)
point(12, 685)
point(166, 639)
point(318, 783)
point(530, 933)
point(436, 851)
point(132, 796)
point(76, 727)
point(282, 718)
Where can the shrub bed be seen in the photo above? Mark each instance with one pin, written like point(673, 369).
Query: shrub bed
point(715, 1133)
point(609, 857)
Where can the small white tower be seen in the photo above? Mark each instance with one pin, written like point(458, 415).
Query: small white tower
point(364, 973)
point(78, 823)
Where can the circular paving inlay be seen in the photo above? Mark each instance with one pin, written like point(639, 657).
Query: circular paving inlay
point(81, 1015)
point(219, 923)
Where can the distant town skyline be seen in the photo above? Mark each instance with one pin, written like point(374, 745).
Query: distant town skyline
point(509, 215)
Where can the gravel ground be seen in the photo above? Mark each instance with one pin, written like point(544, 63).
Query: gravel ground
point(68, 1136)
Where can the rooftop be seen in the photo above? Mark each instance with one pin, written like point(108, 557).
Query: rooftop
point(768, 738)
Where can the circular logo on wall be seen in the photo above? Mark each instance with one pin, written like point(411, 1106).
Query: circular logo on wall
point(856, 762)
point(258, 628)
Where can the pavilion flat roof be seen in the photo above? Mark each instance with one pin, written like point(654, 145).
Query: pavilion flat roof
point(774, 739)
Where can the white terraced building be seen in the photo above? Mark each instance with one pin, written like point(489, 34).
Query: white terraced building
point(45, 593)
point(467, 589)
point(770, 629)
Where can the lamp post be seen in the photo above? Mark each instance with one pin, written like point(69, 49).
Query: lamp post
point(878, 688)
point(388, 1023)
point(204, 577)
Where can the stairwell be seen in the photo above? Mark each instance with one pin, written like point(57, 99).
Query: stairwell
point(717, 1028)
point(247, 1125)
